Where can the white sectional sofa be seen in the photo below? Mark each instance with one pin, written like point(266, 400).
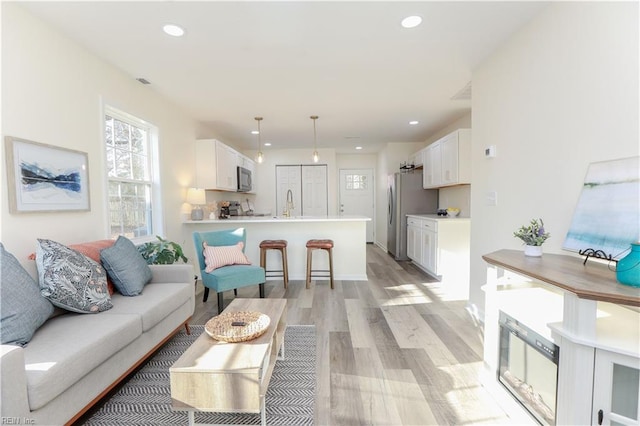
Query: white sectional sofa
point(75, 359)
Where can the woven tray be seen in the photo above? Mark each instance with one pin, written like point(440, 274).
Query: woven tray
point(237, 326)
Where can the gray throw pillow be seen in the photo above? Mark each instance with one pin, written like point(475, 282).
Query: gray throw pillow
point(22, 307)
point(126, 267)
point(71, 280)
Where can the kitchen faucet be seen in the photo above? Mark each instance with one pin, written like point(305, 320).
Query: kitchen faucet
point(289, 205)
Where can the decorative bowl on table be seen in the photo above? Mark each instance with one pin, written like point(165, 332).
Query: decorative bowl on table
point(453, 211)
point(237, 326)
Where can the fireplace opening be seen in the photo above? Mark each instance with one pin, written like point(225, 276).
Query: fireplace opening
point(528, 368)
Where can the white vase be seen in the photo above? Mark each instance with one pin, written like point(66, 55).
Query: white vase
point(533, 251)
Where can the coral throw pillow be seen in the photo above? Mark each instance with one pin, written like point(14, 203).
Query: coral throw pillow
point(92, 249)
point(218, 256)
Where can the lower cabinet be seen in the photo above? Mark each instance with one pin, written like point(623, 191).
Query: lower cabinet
point(441, 248)
point(414, 239)
point(616, 389)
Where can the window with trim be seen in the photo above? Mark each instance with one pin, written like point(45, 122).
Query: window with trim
point(129, 144)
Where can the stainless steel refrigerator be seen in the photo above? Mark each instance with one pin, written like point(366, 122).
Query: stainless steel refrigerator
point(406, 196)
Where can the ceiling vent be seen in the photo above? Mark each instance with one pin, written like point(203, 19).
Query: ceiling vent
point(143, 80)
point(464, 94)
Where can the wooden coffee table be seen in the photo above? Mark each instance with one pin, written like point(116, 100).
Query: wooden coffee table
point(230, 377)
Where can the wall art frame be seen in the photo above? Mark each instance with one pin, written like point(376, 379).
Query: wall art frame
point(46, 178)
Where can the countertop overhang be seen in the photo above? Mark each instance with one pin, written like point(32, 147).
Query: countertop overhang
point(593, 281)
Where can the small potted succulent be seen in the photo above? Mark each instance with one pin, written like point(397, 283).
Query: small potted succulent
point(533, 236)
point(162, 252)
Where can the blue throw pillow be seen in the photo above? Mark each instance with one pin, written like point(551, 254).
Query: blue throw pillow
point(126, 267)
point(22, 307)
point(70, 280)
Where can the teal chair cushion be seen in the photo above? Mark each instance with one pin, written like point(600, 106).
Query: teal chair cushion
point(226, 277)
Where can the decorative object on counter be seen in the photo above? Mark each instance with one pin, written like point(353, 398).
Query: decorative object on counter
point(162, 252)
point(628, 268)
point(316, 157)
point(533, 236)
point(441, 212)
point(453, 211)
point(196, 197)
point(259, 156)
point(597, 254)
point(224, 209)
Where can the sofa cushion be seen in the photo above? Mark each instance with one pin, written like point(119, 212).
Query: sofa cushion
point(218, 256)
point(126, 267)
point(70, 280)
point(22, 307)
point(68, 347)
point(156, 302)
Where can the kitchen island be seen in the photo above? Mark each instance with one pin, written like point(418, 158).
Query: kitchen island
point(347, 232)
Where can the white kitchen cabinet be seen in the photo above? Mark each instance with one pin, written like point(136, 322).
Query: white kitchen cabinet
point(416, 159)
point(441, 247)
point(216, 165)
point(616, 389)
point(430, 246)
point(414, 239)
point(447, 161)
point(432, 167)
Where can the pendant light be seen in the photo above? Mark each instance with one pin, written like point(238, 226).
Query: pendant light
point(259, 156)
point(316, 157)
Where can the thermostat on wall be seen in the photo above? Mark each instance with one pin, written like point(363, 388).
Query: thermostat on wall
point(490, 151)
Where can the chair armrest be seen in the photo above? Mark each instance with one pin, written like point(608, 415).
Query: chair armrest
point(14, 401)
point(175, 273)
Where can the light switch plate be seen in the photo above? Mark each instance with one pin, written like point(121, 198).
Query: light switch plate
point(490, 151)
point(491, 198)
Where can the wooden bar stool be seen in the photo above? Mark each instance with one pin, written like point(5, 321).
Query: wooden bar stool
point(281, 246)
point(319, 245)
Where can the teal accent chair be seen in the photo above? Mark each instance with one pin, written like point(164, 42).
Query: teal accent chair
point(229, 277)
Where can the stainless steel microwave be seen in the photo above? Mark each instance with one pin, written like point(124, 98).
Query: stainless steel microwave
point(244, 179)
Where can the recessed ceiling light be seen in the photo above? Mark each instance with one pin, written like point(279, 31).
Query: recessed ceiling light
point(358, 147)
point(411, 21)
point(267, 144)
point(414, 122)
point(173, 30)
point(255, 132)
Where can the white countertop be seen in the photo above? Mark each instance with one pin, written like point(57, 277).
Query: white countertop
point(281, 219)
point(440, 218)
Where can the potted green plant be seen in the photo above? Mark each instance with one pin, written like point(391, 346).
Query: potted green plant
point(533, 236)
point(162, 252)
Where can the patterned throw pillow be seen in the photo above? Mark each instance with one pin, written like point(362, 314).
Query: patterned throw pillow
point(71, 280)
point(22, 307)
point(126, 267)
point(218, 256)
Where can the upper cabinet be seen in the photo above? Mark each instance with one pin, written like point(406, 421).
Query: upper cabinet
point(416, 160)
point(447, 161)
point(216, 165)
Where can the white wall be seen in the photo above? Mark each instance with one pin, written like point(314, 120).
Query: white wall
point(560, 94)
point(52, 92)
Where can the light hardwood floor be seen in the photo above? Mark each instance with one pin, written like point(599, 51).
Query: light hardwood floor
point(389, 350)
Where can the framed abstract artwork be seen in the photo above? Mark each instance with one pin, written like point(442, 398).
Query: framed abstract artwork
point(45, 178)
point(607, 216)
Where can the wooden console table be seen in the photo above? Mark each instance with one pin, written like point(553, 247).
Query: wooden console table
point(599, 319)
point(230, 377)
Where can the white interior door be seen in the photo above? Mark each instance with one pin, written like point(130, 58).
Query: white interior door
point(356, 195)
point(314, 190)
point(288, 178)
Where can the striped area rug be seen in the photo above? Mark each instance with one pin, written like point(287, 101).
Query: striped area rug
point(146, 398)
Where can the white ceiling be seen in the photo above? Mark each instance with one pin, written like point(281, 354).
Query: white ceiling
point(350, 63)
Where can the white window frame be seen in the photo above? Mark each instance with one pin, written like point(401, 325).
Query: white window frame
point(154, 171)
